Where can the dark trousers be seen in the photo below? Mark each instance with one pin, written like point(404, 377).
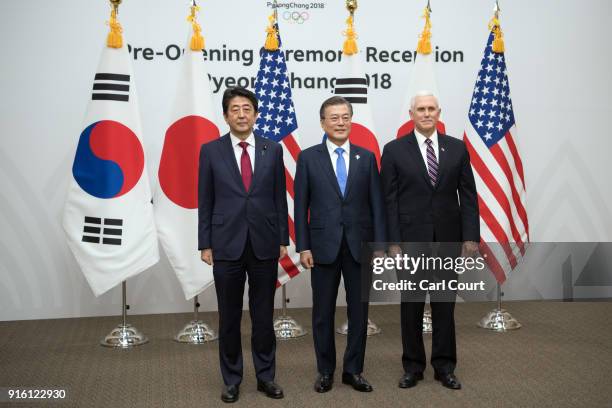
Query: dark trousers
point(443, 346)
point(230, 277)
point(325, 279)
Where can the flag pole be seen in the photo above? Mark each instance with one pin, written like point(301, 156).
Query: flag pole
point(350, 48)
point(424, 47)
point(124, 335)
point(285, 327)
point(498, 319)
point(196, 331)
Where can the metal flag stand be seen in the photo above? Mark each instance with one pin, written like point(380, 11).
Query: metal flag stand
point(124, 335)
point(285, 327)
point(498, 319)
point(196, 331)
point(373, 329)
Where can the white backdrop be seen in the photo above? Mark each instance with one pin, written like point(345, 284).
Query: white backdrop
point(558, 58)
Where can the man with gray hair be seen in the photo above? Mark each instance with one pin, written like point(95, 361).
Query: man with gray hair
point(430, 196)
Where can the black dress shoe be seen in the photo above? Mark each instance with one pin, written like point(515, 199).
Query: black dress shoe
point(357, 382)
point(230, 393)
point(448, 380)
point(324, 382)
point(270, 388)
point(409, 380)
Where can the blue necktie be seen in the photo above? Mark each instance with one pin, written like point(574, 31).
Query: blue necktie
point(341, 169)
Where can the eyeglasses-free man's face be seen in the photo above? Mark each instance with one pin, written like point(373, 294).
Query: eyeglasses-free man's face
point(425, 114)
point(240, 116)
point(337, 123)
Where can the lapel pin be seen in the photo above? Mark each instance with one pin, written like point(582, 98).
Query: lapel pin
point(442, 149)
point(357, 157)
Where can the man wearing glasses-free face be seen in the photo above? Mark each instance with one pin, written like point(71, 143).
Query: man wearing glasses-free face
point(338, 184)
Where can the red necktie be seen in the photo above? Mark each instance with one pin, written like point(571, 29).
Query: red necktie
point(245, 166)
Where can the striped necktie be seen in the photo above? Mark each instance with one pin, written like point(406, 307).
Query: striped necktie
point(432, 163)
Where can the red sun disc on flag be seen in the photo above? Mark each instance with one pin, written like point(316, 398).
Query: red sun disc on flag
point(363, 137)
point(178, 167)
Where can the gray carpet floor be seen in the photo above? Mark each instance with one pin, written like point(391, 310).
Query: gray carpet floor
point(561, 357)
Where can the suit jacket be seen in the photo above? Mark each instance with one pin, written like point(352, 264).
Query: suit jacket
point(359, 213)
point(420, 212)
point(227, 212)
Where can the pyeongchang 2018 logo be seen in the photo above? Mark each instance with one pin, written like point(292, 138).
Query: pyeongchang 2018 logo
point(294, 12)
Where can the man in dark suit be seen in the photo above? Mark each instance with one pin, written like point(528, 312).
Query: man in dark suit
point(430, 195)
point(338, 183)
point(242, 231)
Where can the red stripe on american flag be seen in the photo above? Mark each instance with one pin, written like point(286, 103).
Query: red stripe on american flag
point(494, 265)
point(518, 163)
point(491, 182)
point(517, 158)
point(286, 262)
point(487, 216)
point(289, 266)
point(289, 184)
point(505, 166)
point(292, 146)
point(291, 229)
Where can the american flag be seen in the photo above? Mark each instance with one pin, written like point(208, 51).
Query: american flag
point(277, 121)
point(490, 136)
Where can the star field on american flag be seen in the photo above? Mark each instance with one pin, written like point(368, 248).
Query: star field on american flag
point(491, 111)
point(276, 112)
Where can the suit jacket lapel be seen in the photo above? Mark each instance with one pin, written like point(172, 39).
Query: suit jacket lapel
point(415, 150)
point(352, 168)
point(230, 159)
point(327, 167)
point(443, 159)
point(261, 148)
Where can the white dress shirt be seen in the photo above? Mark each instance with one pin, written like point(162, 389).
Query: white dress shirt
point(331, 147)
point(238, 150)
point(421, 140)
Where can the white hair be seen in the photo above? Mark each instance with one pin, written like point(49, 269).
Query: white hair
point(422, 93)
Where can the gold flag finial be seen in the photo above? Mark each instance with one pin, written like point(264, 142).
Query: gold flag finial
point(350, 44)
point(351, 6)
point(424, 45)
point(114, 38)
point(495, 27)
point(197, 40)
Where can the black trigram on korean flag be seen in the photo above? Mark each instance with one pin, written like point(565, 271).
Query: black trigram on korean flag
point(111, 87)
point(354, 90)
point(102, 231)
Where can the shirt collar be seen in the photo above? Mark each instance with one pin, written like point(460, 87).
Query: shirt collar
point(235, 140)
point(332, 147)
point(421, 138)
